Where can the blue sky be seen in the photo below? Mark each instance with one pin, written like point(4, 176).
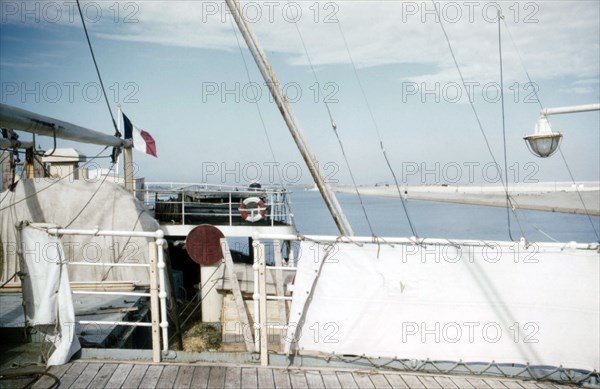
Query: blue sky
point(177, 71)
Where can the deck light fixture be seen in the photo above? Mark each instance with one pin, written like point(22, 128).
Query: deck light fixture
point(543, 143)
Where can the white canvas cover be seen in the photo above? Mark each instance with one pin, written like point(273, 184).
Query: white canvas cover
point(47, 294)
point(84, 204)
point(537, 305)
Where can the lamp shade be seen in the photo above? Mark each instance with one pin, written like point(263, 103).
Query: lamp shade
point(543, 145)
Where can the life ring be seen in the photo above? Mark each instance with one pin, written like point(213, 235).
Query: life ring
point(252, 209)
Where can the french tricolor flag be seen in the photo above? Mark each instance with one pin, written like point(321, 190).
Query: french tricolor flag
point(142, 140)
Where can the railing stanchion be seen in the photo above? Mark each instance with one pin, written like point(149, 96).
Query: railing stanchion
point(255, 295)
point(164, 324)
point(154, 305)
point(262, 301)
point(182, 207)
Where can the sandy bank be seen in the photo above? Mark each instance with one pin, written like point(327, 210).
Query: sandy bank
point(554, 197)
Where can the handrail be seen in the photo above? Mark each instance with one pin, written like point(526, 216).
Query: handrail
point(188, 201)
point(179, 186)
point(158, 290)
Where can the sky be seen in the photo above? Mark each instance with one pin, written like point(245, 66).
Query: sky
point(178, 72)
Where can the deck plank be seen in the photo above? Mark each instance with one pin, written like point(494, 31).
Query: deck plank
point(529, 385)
point(545, 385)
point(462, 383)
point(478, 383)
point(314, 379)
point(330, 380)
point(380, 381)
point(128, 376)
point(396, 381)
point(511, 384)
point(233, 378)
point(281, 379)
point(87, 375)
point(363, 381)
point(134, 378)
point(101, 379)
point(495, 383)
point(413, 381)
point(184, 377)
point(346, 380)
point(216, 379)
point(249, 378)
point(151, 377)
point(46, 381)
point(265, 378)
point(120, 375)
point(298, 379)
point(200, 377)
point(72, 374)
point(167, 377)
point(429, 382)
point(446, 382)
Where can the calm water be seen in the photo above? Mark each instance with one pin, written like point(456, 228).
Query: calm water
point(438, 220)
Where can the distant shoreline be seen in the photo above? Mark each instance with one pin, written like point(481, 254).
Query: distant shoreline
point(552, 197)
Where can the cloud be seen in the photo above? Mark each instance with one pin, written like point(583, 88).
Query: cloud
point(555, 38)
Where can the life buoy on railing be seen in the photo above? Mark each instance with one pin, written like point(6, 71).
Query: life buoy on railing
point(252, 209)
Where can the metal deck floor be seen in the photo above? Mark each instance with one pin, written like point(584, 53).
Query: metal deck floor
point(82, 374)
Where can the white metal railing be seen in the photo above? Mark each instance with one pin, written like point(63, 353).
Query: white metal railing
point(175, 202)
point(158, 289)
point(261, 297)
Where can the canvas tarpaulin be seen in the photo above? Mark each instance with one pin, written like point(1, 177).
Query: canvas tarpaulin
point(47, 296)
point(484, 303)
point(82, 204)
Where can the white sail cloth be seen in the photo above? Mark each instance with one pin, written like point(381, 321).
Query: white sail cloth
point(47, 294)
point(502, 303)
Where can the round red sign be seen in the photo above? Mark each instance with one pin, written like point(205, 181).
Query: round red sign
point(203, 244)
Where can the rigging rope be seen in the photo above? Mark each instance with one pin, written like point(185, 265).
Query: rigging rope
point(262, 121)
point(559, 148)
point(472, 104)
point(334, 127)
point(91, 197)
point(578, 193)
point(389, 165)
point(117, 132)
point(504, 125)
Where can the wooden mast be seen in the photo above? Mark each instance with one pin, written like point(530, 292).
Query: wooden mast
point(290, 120)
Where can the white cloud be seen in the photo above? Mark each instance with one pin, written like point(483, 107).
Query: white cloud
point(555, 38)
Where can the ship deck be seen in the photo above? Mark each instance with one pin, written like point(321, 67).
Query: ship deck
point(86, 374)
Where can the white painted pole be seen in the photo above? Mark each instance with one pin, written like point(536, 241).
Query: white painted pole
point(571, 109)
point(154, 302)
point(262, 302)
point(162, 295)
point(255, 296)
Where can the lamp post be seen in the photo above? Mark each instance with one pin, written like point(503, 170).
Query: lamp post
point(543, 143)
